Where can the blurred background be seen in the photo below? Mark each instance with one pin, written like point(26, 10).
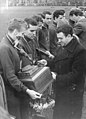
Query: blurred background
point(26, 8)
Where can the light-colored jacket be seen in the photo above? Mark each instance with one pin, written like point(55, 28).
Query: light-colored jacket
point(3, 101)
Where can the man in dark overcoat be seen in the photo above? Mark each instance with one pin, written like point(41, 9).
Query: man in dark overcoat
point(10, 66)
point(69, 64)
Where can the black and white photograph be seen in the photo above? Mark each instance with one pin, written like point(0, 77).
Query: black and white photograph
point(42, 59)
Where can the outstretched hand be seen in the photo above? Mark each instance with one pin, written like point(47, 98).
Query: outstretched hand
point(50, 55)
point(33, 94)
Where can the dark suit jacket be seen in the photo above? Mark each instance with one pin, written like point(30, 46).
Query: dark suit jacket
point(47, 38)
point(29, 45)
point(69, 64)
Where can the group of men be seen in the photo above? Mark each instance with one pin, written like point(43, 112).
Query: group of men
point(60, 45)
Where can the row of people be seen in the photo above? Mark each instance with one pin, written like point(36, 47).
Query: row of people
point(67, 79)
point(55, 42)
point(20, 33)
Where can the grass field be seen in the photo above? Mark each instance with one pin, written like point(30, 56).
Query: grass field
point(22, 12)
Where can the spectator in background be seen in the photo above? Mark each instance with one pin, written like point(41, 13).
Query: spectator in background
point(47, 36)
point(71, 21)
point(80, 25)
point(84, 12)
point(69, 64)
point(38, 19)
point(59, 18)
point(10, 66)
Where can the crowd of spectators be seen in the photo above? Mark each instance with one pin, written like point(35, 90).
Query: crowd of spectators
point(52, 40)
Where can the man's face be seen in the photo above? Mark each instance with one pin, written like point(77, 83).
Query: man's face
point(59, 18)
point(40, 25)
point(17, 33)
point(48, 19)
point(62, 39)
point(73, 18)
point(32, 30)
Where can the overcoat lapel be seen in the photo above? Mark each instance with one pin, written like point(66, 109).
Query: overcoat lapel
point(61, 54)
point(65, 52)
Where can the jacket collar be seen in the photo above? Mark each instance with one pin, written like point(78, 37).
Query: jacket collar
point(55, 24)
point(71, 45)
point(10, 40)
point(45, 26)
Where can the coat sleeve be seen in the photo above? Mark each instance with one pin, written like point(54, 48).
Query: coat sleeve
point(9, 70)
point(42, 40)
point(78, 69)
point(53, 41)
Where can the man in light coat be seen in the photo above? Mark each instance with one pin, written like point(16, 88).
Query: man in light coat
point(10, 66)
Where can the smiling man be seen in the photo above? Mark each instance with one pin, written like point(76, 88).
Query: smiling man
point(47, 36)
point(69, 64)
point(47, 17)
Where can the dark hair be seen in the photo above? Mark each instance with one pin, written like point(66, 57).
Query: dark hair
point(30, 21)
point(46, 12)
point(66, 29)
point(16, 24)
point(37, 18)
point(76, 12)
point(41, 15)
point(57, 13)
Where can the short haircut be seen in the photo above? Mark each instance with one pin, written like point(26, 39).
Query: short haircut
point(46, 12)
point(57, 13)
point(38, 18)
point(30, 21)
point(66, 29)
point(41, 15)
point(16, 24)
point(76, 12)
